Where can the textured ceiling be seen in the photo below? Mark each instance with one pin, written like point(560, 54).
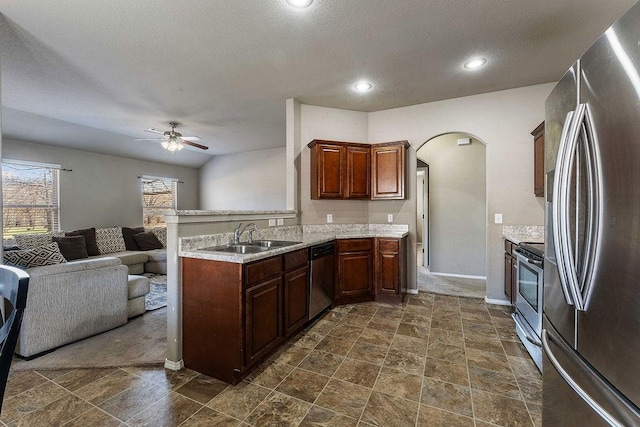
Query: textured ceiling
point(92, 75)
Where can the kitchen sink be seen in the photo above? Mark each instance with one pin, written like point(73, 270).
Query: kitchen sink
point(238, 249)
point(272, 243)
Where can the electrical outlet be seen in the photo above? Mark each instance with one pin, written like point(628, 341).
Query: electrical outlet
point(498, 218)
point(329, 218)
point(390, 218)
point(280, 221)
point(272, 223)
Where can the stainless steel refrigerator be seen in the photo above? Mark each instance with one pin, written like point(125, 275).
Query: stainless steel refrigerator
point(591, 324)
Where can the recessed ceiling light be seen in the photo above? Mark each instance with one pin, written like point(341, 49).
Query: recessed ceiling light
point(363, 86)
point(300, 3)
point(474, 63)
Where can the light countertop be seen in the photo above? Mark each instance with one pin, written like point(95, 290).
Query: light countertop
point(523, 233)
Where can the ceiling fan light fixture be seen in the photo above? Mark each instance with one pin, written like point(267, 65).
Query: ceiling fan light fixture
point(172, 145)
point(300, 4)
point(475, 63)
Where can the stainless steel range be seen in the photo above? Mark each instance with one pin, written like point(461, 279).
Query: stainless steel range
point(528, 313)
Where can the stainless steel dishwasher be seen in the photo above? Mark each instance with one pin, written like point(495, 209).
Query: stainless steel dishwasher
point(322, 278)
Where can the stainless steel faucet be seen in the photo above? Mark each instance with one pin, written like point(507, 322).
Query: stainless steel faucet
point(240, 229)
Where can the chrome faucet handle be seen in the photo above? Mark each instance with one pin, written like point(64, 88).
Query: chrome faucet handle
point(236, 234)
point(254, 228)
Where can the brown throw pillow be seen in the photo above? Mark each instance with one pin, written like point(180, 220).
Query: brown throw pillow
point(72, 247)
point(147, 241)
point(129, 241)
point(90, 239)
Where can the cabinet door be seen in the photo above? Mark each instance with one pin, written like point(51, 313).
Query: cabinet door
point(514, 279)
point(508, 276)
point(263, 319)
point(388, 266)
point(538, 160)
point(296, 300)
point(355, 271)
point(328, 171)
point(358, 172)
point(388, 171)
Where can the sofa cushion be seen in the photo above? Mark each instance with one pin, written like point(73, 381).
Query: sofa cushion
point(89, 238)
point(72, 247)
point(138, 286)
point(128, 257)
point(28, 241)
point(157, 255)
point(110, 240)
point(127, 235)
point(147, 241)
point(35, 257)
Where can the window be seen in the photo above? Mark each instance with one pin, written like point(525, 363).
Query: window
point(158, 199)
point(30, 200)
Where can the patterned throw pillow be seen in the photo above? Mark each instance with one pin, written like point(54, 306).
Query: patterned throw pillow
point(109, 240)
point(161, 234)
point(28, 241)
point(35, 257)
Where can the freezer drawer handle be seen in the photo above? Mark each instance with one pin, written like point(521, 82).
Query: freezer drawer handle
point(571, 382)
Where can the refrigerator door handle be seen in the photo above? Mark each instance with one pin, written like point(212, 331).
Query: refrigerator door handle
point(559, 211)
point(574, 385)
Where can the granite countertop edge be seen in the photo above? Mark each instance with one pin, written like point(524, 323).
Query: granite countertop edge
point(305, 240)
point(523, 233)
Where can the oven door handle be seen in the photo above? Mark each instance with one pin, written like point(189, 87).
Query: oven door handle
point(531, 261)
point(532, 340)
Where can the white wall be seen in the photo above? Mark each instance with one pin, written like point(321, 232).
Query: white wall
point(503, 120)
point(457, 205)
point(102, 190)
point(254, 180)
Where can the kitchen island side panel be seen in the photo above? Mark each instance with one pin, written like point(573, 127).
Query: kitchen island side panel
point(212, 318)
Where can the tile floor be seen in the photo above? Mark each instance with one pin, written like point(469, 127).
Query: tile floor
point(434, 361)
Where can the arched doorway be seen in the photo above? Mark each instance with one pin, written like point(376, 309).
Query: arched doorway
point(454, 209)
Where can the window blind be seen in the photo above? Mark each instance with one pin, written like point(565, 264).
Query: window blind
point(158, 199)
point(30, 198)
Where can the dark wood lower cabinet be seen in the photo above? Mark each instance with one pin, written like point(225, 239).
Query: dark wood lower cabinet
point(296, 297)
point(263, 319)
point(236, 315)
point(354, 271)
point(510, 271)
point(390, 269)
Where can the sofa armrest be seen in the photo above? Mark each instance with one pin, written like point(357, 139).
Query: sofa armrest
point(73, 266)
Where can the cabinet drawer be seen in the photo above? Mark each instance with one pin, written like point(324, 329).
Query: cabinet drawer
point(263, 269)
point(389, 245)
point(510, 247)
point(355, 245)
point(296, 259)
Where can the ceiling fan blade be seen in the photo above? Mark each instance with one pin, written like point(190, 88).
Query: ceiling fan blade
point(154, 130)
point(194, 144)
point(149, 139)
point(191, 138)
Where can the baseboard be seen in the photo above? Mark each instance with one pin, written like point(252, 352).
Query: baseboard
point(464, 276)
point(412, 291)
point(174, 366)
point(496, 301)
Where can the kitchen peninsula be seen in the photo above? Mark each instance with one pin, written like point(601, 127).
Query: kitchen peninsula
point(238, 308)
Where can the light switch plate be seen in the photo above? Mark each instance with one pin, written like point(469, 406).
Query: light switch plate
point(329, 218)
point(272, 222)
point(390, 218)
point(498, 218)
point(280, 221)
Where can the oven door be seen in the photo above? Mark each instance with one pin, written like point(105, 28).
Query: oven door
point(529, 293)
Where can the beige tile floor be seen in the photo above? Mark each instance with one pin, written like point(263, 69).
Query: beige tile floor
point(434, 361)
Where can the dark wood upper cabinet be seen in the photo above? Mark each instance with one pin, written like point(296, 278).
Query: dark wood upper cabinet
point(328, 170)
point(538, 160)
point(349, 170)
point(358, 172)
point(388, 170)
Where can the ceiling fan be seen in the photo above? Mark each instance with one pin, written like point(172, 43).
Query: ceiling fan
point(173, 141)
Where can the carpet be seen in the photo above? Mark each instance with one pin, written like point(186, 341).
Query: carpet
point(140, 342)
point(449, 285)
point(157, 296)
